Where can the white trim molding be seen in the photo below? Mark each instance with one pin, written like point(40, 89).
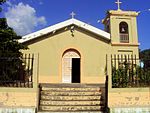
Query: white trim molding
point(66, 23)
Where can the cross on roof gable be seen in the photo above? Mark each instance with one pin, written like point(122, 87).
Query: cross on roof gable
point(73, 14)
point(65, 24)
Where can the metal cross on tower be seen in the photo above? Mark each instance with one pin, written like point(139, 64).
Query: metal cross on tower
point(118, 3)
point(73, 14)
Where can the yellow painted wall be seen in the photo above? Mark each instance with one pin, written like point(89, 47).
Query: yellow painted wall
point(116, 20)
point(126, 49)
point(129, 97)
point(93, 50)
point(18, 97)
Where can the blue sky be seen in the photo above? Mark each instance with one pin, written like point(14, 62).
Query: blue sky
point(37, 14)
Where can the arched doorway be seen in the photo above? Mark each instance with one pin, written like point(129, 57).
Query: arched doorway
point(71, 66)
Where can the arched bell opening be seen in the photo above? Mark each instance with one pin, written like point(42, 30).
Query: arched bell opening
point(124, 32)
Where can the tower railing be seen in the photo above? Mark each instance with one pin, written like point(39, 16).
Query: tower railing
point(124, 38)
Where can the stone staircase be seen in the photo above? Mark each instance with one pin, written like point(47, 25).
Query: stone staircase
point(68, 98)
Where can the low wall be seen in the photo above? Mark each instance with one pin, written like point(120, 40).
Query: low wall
point(121, 100)
point(130, 110)
point(17, 110)
point(18, 100)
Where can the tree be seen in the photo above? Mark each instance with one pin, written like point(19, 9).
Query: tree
point(1, 2)
point(8, 39)
point(10, 54)
point(145, 57)
point(145, 54)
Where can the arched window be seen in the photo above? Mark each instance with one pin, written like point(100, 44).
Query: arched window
point(124, 32)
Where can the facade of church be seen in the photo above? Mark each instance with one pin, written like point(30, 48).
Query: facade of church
point(75, 52)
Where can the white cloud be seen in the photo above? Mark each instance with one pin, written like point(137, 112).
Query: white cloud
point(8, 3)
point(22, 18)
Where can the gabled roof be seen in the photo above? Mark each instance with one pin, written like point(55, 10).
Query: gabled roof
point(66, 23)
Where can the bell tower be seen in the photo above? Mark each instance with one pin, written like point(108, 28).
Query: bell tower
point(122, 25)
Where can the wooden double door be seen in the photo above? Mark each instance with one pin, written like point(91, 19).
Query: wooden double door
point(71, 67)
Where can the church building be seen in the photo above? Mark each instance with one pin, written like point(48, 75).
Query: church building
point(76, 52)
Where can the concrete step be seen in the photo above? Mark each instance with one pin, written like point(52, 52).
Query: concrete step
point(69, 98)
point(48, 93)
point(70, 103)
point(72, 85)
point(71, 108)
point(97, 89)
point(71, 112)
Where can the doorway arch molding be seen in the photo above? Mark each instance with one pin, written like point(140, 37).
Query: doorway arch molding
point(73, 50)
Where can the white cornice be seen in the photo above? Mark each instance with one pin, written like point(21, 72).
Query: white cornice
point(62, 25)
